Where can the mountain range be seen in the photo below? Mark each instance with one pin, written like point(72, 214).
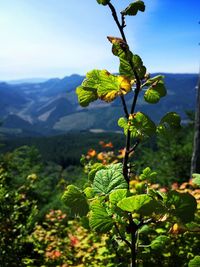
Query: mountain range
point(39, 108)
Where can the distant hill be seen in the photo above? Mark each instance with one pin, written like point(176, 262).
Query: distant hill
point(51, 107)
point(31, 80)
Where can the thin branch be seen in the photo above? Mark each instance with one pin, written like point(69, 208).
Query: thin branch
point(128, 137)
point(120, 27)
point(132, 149)
point(126, 157)
point(128, 150)
point(137, 90)
point(124, 106)
point(122, 238)
point(138, 85)
point(142, 223)
point(133, 228)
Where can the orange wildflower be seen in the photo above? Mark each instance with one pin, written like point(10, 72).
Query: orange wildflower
point(100, 156)
point(91, 153)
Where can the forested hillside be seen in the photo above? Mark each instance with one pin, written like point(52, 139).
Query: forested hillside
point(51, 107)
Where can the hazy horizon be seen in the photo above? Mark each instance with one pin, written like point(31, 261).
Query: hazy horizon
point(41, 79)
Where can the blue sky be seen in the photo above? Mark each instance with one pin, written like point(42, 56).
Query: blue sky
point(55, 38)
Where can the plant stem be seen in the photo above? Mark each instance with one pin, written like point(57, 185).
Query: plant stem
point(132, 149)
point(128, 137)
point(124, 106)
point(137, 90)
point(120, 27)
point(138, 84)
point(133, 249)
point(126, 158)
point(121, 237)
point(133, 229)
point(132, 225)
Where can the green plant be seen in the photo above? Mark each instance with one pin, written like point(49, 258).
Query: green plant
point(26, 186)
point(108, 201)
point(17, 213)
point(59, 241)
point(170, 156)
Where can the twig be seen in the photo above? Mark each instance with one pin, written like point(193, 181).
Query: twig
point(126, 157)
point(137, 90)
point(122, 238)
point(138, 85)
point(120, 27)
point(124, 106)
point(132, 149)
point(133, 228)
point(142, 223)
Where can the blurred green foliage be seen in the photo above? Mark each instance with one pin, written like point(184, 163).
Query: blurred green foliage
point(30, 188)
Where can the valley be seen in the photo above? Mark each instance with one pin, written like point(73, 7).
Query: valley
point(51, 107)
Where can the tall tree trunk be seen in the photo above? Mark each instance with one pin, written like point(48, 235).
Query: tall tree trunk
point(195, 164)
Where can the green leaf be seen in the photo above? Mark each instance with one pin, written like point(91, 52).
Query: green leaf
point(85, 222)
point(138, 66)
point(117, 195)
point(92, 79)
point(181, 205)
point(103, 2)
point(134, 203)
point(133, 8)
point(145, 229)
point(95, 168)
point(107, 86)
point(86, 95)
point(155, 92)
point(120, 48)
point(115, 167)
point(142, 204)
point(154, 79)
point(123, 123)
point(75, 200)
point(196, 179)
point(148, 174)
point(143, 125)
point(139, 124)
point(112, 86)
point(110, 179)
point(156, 194)
point(171, 121)
point(160, 242)
point(129, 63)
point(152, 96)
point(89, 192)
point(127, 69)
point(193, 227)
point(194, 262)
point(99, 219)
